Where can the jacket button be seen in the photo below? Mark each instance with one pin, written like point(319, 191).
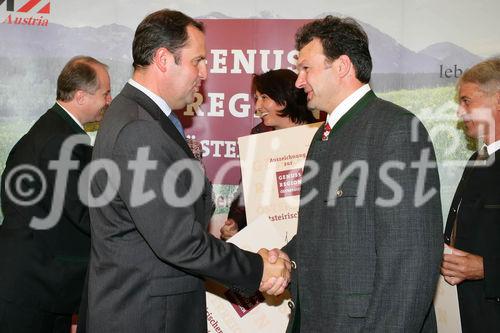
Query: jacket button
point(339, 192)
point(291, 305)
point(294, 264)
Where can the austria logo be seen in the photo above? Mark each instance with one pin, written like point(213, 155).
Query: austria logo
point(26, 12)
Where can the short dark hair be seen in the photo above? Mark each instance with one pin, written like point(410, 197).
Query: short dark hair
point(279, 85)
point(78, 74)
point(164, 28)
point(339, 36)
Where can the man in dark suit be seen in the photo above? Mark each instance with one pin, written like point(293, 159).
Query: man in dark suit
point(473, 226)
point(368, 244)
point(150, 247)
point(45, 235)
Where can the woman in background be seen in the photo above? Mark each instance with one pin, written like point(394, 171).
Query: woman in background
point(280, 105)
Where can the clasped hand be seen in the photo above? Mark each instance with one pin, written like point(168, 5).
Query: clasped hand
point(460, 265)
point(277, 271)
point(229, 229)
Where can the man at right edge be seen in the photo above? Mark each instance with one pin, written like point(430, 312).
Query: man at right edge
point(473, 226)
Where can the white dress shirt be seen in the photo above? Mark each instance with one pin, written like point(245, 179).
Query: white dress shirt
point(157, 99)
point(493, 147)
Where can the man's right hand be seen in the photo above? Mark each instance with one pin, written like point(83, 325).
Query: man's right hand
point(229, 229)
point(277, 272)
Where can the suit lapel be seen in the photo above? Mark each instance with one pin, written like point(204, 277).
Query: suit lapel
point(459, 193)
point(318, 146)
point(82, 151)
point(354, 110)
point(154, 111)
point(64, 115)
point(86, 150)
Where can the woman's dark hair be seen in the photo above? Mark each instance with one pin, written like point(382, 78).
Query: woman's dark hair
point(279, 85)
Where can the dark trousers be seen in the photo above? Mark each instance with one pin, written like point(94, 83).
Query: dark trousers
point(15, 318)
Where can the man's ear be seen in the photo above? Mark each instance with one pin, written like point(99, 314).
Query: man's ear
point(162, 58)
point(344, 66)
point(80, 97)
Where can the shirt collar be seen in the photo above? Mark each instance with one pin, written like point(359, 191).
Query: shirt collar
point(154, 97)
point(346, 105)
point(71, 115)
point(492, 147)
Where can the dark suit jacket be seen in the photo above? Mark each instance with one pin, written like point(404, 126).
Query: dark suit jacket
point(45, 268)
point(148, 260)
point(362, 267)
point(476, 207)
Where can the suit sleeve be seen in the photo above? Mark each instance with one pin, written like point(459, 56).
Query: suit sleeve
point(73, 209)
point(408, 235)
point(168, 224)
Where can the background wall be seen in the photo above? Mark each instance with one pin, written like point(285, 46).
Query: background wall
point(419, 49)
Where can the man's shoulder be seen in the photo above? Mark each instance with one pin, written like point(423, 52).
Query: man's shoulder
point(122, 111)
point(389, 109)
point(46, 134)
point(385, 114)
point(128, 99)
point(124, 115)
point(48, 126)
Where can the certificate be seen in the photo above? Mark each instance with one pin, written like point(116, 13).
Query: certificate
point(271, 170)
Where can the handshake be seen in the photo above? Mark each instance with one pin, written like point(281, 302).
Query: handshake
point(277, 271)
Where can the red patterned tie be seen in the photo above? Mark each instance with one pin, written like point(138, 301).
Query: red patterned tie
point(326, 132)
